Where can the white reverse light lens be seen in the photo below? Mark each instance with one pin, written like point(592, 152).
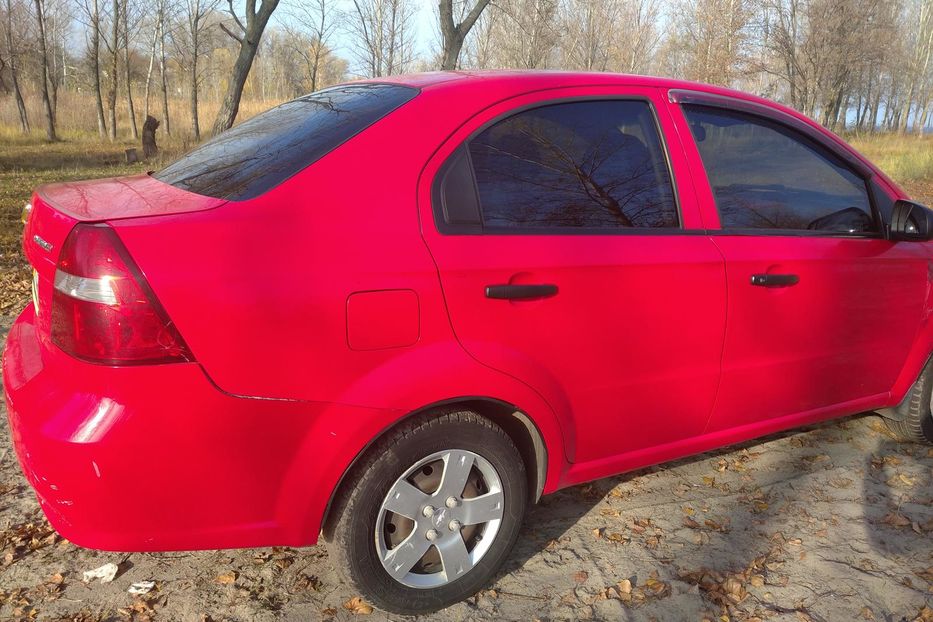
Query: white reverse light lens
point(84, 288)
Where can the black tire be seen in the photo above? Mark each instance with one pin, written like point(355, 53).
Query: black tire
point(915, 419)
point(350, 528)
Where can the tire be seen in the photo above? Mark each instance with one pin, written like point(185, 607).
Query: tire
point(915, 422)
point(400, 472)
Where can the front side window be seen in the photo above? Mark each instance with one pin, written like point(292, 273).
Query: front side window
point(259, 154)
point(766, 176)
point(589, 164)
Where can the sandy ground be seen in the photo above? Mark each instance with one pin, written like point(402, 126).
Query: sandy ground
point(830, 523)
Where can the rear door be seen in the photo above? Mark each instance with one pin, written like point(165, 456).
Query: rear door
point(569, 260)
point(822, 309)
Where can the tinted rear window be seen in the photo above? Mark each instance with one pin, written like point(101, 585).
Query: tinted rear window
point(259, 154)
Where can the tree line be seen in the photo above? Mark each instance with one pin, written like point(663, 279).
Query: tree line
point(860, 65)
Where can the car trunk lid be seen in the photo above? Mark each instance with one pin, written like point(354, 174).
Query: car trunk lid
point(57, 208)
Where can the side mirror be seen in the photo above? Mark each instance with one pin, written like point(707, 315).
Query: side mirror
point(910, 222)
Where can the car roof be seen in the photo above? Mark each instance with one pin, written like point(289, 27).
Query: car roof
point(542, 79)
point(513, 82)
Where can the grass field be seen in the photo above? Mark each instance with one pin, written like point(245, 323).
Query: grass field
point(27, 161)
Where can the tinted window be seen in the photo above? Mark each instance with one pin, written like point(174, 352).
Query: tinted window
point(261, 153)
point(765, 176)
point(595, 164)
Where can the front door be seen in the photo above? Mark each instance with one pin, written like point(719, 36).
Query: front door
point(568, 261)
point(822, 310)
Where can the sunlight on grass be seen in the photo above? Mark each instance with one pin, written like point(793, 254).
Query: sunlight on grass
point(903, 158)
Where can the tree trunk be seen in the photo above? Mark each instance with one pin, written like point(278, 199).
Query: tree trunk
point(231, 102)
point(152, 53)
point(249, 43)
point(131, 109)
point(165, 118)
point(114, 57)
point(95, 70)
point(20, 104)
point(195, 126)
point(44, 75)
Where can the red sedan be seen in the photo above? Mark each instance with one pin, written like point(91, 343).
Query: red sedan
point(395, 313)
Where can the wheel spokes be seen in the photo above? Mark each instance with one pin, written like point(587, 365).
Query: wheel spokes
point(457, 467)
point(400, 560)
point(482, 509)
point(406, 500)
point(455, 558)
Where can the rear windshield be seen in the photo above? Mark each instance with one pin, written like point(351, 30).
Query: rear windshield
point(259, 154)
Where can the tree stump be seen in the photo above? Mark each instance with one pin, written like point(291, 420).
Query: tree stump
point(149, 141)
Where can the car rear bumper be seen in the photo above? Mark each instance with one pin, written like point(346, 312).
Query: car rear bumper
point(155, 458)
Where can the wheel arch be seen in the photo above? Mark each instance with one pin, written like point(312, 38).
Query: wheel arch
point(520, 427)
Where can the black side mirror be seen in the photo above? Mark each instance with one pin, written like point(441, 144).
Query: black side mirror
point(910, 222)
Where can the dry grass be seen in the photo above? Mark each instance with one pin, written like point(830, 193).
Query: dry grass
point(906, 159)
point(76, 116)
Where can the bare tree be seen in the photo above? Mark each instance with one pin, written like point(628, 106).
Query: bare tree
point(44, 75)
point(189, 47)
point(131, 109)
point(113, 47)
point(320, 21)
point(526, 35)
point(248, 38)
point(92, 13)
point(382, 34)
point(711, 38)
point(12, 53)
point(588, 28)
point(162, 18)
point(454, 33)
point(919, 51)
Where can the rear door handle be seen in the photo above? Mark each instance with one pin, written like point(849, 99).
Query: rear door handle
point(520, 292)
point(775, 280)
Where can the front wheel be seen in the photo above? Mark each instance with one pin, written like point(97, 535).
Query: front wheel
point(914, 416)
point(430, 514)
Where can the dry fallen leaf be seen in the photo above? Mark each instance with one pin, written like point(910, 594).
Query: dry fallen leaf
point(358, 606)
point(226, 578)
point(896, 520)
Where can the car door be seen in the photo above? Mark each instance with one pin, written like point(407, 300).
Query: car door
point(568, 260)
point(822, 309)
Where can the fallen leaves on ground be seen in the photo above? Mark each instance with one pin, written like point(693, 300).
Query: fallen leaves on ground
point(226, 578)
point(358, 606)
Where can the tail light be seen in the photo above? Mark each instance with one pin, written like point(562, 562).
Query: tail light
point(103, 310)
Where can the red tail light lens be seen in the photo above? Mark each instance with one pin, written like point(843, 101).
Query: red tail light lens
point(103, 311)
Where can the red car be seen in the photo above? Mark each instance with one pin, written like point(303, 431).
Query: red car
point(395, 313)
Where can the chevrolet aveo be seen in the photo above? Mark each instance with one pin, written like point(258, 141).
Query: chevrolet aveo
point(393, 314)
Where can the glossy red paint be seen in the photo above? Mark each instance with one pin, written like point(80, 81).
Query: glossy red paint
point(321, 313)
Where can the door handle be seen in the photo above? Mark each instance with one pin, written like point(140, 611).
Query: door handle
point(775, 280)
point(520, 292)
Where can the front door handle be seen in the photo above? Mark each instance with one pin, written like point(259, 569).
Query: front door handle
point(520, 292)
point(775, 280)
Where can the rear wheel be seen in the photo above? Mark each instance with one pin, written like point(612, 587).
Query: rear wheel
point(914, 420)
point(430, 514)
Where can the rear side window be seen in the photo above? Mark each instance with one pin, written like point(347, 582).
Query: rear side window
point(259, 154)
point(590, 164)
point(767, 176)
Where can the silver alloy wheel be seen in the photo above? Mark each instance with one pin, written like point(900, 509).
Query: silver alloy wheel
point(439, 518)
